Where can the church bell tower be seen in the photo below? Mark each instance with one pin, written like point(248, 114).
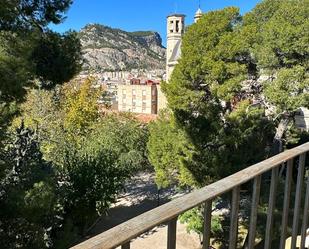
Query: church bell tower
point(175, 31)
point(198, 15)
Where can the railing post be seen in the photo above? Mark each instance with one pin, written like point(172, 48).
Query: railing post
point(299, 186)
point(126, 246)
point(271, 207)
point(171, 233)
point(305, 217)
point(254, 208)
point(207, 224)
point(234, 218)
point(286, 203)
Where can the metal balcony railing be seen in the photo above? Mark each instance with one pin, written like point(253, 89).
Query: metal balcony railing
point(122, 234)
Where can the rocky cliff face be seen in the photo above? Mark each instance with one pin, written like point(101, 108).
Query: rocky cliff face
point(108, 49)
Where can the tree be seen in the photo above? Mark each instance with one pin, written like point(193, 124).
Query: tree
point(91, 182)
point(30, 211)
point(54, 52)
point(92, 155)
point(28, 50)
point(236, 89)
point(80, 105)
point(26, 14)
point(233, 84)
point(282, 55)
point(169, 147)
point(208, 99)
point(28, 201)
point(125, 137)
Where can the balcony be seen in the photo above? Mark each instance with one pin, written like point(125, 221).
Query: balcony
point(294, 216)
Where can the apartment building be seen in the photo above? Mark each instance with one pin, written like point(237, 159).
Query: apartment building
point(137, 97)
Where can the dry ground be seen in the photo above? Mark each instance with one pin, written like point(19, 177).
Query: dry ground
point(139, 197)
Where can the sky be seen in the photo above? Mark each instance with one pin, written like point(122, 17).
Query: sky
point(137, 15)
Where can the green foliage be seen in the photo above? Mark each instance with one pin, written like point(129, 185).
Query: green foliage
point(289, 90)
point(28, 50)
point(14, 66)
point(237, 78)
point(168, 148)
point(281, 36)
point(25, 14)
point(210, 63)
point(27, 187)
point(217, 98)
point(91, 184)
point(54, 52)
point(124, 137)
point(30, 55)
point(194, 220)
point(92, 155)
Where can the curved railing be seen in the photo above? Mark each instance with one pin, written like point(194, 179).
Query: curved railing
point(122, 234)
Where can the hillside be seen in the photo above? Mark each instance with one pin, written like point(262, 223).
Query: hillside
point(108, 49)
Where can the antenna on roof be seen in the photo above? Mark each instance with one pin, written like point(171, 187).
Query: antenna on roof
point(199, 4)
point(176, 7)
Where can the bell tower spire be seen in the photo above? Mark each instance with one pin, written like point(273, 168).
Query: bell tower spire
point(198, 13)
point(175, 31)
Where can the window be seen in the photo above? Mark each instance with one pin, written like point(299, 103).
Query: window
point(144, 92)
point(177, 26)
point(171, 26)
point(133, 92)
point(124, 91)
point(144, 104)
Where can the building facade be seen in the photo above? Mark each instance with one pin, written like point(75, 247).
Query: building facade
point(137, 98)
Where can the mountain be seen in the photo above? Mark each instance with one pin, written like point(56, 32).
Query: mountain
point(108, 49)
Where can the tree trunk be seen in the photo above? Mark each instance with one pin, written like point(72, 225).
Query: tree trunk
point(277, 146)
point(245, 245)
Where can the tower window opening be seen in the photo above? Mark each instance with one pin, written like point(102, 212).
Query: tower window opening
point(177, 26)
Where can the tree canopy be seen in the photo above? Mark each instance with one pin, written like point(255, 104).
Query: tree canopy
point(29, 14)
point(240, 78)
point(31, 54)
